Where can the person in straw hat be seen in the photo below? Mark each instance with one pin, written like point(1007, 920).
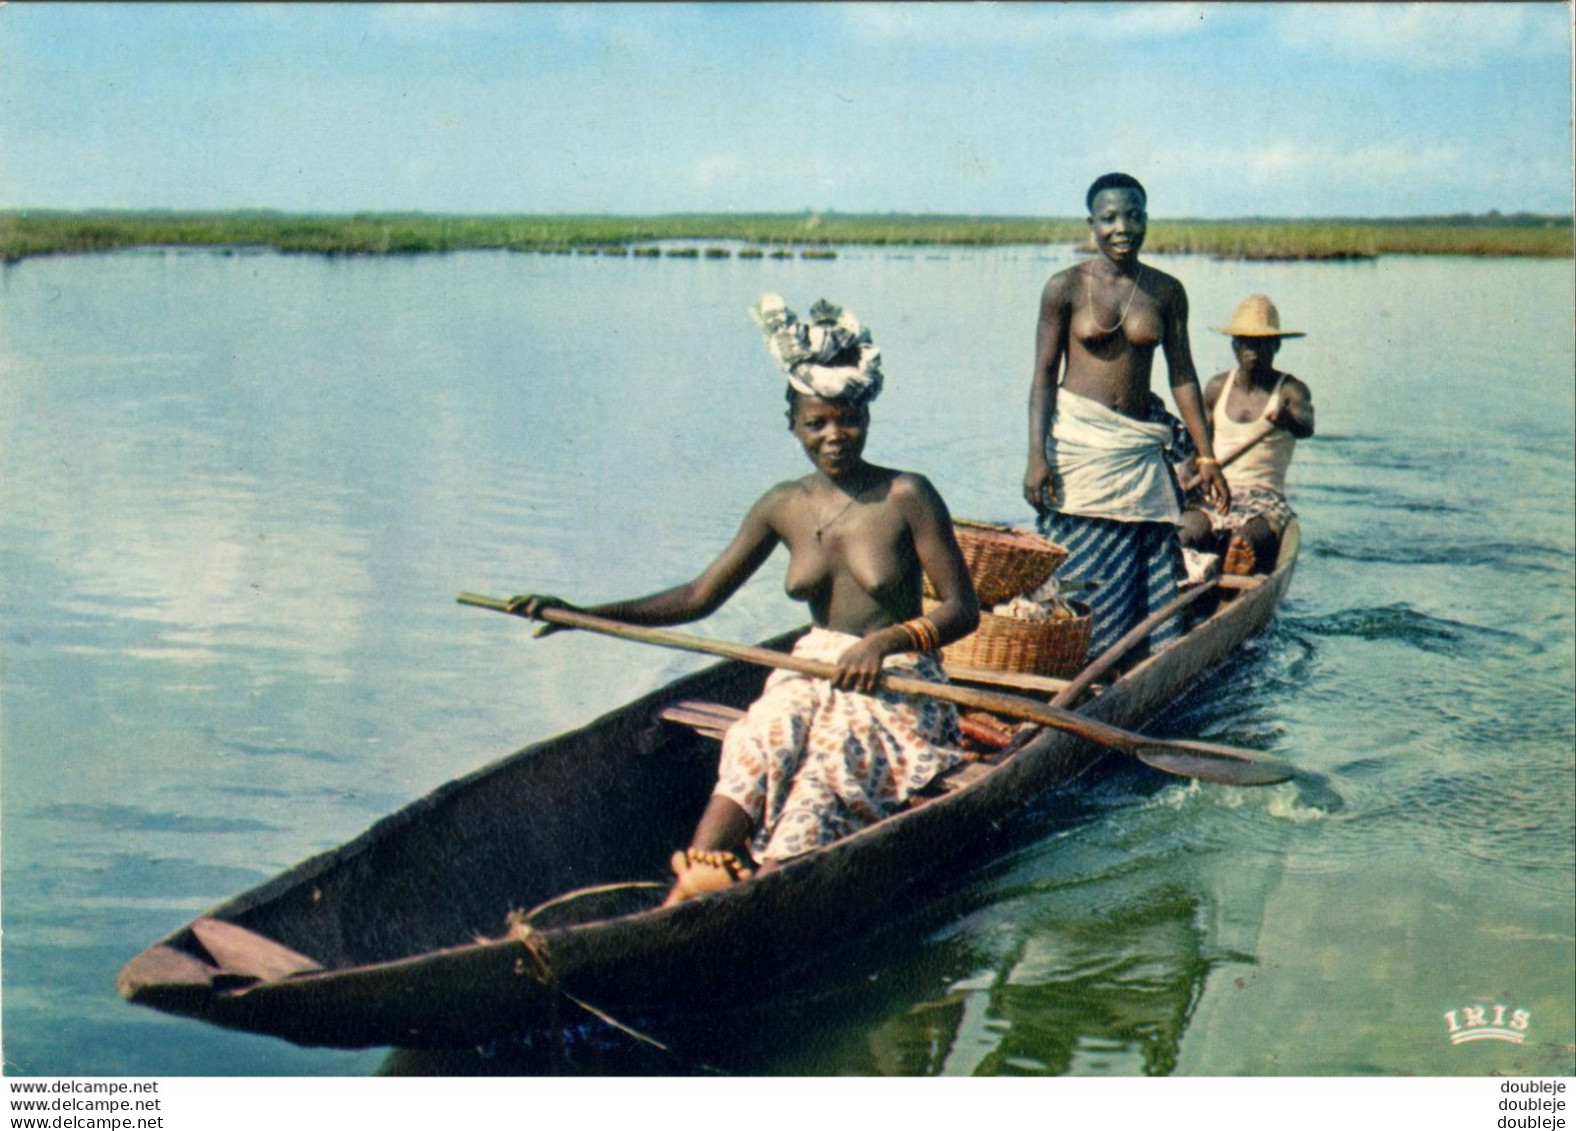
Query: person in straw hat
point(1097, 470)
point(1252, 404)
point(814, 760)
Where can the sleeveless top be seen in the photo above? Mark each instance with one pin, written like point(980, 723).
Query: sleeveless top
point(1263, 465)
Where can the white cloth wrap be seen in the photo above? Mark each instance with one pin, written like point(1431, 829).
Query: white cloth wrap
point(1106, 465)
point(804, 348)
point(834, 382)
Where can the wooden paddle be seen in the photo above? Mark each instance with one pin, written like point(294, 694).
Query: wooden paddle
point(1226, 461)
point(1206, 761)
point(1068, 696)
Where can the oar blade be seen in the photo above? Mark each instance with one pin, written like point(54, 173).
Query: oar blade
point(1223, 765)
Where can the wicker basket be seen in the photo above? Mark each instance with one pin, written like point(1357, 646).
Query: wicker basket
point(1041, 647)
point(1003, 561)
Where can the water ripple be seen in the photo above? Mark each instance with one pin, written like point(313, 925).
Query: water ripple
point(1510, 557)
point(1379, 498)
point(310, 754)
point(129, 876)
point(126, 818)
point(1404, 624)
point(1497, 816)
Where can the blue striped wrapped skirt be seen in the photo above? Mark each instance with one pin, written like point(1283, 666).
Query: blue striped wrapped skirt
point(1137, 565)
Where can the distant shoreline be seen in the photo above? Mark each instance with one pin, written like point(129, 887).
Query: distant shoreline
point(34, 232)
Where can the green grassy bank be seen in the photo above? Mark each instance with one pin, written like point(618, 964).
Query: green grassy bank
point(26, 233)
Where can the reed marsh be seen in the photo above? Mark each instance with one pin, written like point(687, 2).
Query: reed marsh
point(31, 232)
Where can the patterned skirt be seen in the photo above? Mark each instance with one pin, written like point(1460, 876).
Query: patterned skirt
point(810, 764)
point(1137, 565)
point(1252, 502)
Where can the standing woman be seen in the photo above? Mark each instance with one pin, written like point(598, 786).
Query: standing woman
point(1097, 470)
point(814, 760)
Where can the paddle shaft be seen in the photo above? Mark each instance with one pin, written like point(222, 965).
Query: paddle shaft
point(1068, 696)
point(1013, 706)
point(1227, 461)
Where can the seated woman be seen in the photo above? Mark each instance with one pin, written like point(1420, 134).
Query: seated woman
point(1097, 470)
point(814, 760)
point(1253, 400)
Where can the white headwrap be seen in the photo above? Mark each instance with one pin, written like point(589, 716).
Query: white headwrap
point(818, 356)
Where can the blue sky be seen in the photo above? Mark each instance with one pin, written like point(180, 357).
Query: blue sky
point(1222, 110)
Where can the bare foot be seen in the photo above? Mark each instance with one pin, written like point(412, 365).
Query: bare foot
point(1240, 558)
point(702, 870)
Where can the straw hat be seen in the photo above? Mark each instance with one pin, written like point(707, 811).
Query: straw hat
point(1256, 317)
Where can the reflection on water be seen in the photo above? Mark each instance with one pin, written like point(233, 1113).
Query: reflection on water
point(238, 495)
point(1109, 991)
point(1112, 991)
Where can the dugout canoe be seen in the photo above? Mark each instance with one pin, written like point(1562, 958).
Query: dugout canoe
point(398, 938)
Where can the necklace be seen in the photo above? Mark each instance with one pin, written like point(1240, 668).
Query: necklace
point(822, 527)
point(1089, 296)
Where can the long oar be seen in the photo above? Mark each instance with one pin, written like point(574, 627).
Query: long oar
point(1068, 696)
point(1231, 458)
point(1207, 761)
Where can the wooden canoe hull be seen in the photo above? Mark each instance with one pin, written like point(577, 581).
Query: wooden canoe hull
point(393, 918)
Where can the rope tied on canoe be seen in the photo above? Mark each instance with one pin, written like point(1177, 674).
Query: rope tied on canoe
point(520, 930)
point(580, 893)
point(535, 945)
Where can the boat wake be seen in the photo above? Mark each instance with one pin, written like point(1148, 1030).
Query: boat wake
point(1294, 801)
point(1509, 557)
point(1404, 624)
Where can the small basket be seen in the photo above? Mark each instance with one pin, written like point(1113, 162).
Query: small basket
point(1012, 644)
point(1003, 561)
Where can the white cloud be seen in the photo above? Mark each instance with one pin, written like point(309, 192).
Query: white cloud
point(1154, 21)
point(763, 178)
point(1016, 24)
point(1426, 34)
point(718, 171)
point(1279, 158)
point(1282, 162)
point(420, 21)
point(1396, 160)
point(1289, 179)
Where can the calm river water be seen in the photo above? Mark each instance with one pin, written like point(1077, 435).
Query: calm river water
point(240, 492)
